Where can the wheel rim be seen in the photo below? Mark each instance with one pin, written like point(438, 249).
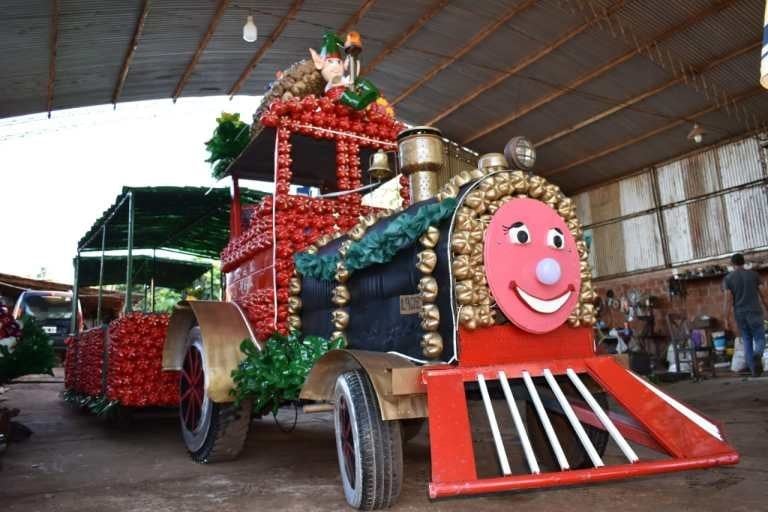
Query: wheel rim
point(192, 389)
point(347, 442)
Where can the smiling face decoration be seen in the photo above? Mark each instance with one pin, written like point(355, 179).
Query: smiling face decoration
point(532, 265)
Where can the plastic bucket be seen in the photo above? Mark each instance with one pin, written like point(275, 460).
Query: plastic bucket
point(719, 342)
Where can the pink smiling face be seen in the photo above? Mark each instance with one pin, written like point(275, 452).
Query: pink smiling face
point(532, 265)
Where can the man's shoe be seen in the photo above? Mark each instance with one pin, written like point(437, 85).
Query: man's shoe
point(757, 368)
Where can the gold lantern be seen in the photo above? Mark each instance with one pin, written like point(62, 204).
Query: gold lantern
point(421, 152)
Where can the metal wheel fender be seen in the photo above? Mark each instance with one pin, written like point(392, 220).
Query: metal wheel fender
point(396, 381)
point(223, 328)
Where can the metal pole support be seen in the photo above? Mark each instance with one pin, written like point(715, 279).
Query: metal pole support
point(75, 296)
point(101, 274)
point(128, 307)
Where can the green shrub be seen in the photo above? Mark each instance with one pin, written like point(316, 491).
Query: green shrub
point(274, 375)
point(33, 353)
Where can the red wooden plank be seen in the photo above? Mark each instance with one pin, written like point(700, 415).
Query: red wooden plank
point(508, 343)
point(628, 427)
point(450, 439)
point(680, 436)
point(576, 477)
point(512, 370)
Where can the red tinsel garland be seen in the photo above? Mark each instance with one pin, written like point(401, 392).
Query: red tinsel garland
point(405, 190)
point(90, 359)
point(70, 363)
point(299, 220)
point(135, 376)
point(9, 328)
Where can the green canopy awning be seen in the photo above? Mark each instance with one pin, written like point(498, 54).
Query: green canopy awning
point(192, 220)
point(168, 273)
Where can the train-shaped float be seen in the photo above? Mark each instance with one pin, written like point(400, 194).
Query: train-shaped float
point(477, 289)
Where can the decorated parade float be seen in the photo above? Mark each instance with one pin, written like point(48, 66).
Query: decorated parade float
point(115, 366)
point(476, 289)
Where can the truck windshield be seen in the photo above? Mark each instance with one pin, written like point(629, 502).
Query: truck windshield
point(47, 307)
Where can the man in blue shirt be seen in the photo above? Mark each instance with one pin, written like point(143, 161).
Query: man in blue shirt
point(748, 303)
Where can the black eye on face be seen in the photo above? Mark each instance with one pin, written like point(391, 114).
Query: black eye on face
point(518, 233)
point(555, 239)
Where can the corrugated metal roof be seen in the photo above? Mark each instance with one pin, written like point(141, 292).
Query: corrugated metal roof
point(94, 37)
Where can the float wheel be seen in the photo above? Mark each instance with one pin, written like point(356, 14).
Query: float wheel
point(574, 451)
point(411, 428)
point(369, 448)
point(212, 431)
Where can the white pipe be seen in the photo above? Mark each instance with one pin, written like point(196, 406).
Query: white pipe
point(519, 425)
point(347, 192)
point(629, 453)
point(700, 421)
point(764, 53)
point(586, 442)
point(545, 421)
point(494, 426)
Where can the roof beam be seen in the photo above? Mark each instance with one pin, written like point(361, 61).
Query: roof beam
point(578, 82)
point(478, 38)
point(53, 50)
point(137, 31)
point(647, 94)
point(391, 46)
point(528, 60)
point(201, 46)
point(647, 135)
point(358, 14)
point(292, 11)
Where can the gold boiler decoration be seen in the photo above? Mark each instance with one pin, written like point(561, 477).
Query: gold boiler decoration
point(496, 186)
point(421, 154)
point(426, 261)
point(340, 295)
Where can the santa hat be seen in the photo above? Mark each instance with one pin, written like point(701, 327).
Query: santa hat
point(332, 46)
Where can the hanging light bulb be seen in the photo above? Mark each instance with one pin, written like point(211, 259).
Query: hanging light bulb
point(696, 134)
point(250, 32)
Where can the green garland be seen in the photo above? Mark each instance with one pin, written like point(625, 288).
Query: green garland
point(99, 406)
point(230, 138)
point(32, 354)
point(274, 375)
point(380, 246)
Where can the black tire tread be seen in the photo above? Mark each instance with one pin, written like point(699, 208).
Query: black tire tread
point(227, 434)
point(542, 448)
point(411, 428)
point(382, 459)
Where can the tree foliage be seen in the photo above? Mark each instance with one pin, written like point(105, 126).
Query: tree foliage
point(33, 353)
point(274, 375)
point(229, 139)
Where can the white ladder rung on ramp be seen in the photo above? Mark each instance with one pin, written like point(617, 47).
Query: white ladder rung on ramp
point(556, 447)
point(624, 446)
point(586, 442)
point(530, 457)
point(502, 453)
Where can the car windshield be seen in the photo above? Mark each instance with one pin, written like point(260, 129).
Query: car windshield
point(47, 307)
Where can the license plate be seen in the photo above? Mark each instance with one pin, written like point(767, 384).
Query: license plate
point(49, 329)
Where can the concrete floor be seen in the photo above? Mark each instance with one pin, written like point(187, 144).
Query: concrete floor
point(75, 463)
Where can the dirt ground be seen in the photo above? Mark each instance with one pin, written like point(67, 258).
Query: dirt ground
point(74, 462)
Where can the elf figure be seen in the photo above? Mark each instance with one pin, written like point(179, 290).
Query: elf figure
point(341, 81)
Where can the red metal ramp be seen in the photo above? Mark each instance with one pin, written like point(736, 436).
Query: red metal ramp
point(687, 438)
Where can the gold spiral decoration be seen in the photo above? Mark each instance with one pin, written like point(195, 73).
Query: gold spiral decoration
point(473, 214)
point(426, 261)
point(340, 295)
point(294, 302)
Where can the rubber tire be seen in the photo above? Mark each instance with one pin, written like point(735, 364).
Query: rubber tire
point(223, 427)
point(377, 445)
point(411, 428)
point(574, 451)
